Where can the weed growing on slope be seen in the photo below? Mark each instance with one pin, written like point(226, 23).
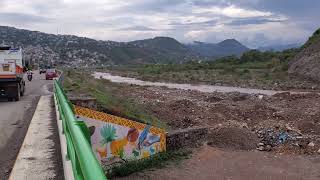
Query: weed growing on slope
point(156, 161)
point(108, 98)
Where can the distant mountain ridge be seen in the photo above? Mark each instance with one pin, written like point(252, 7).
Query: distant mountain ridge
point(81, 51)
point(227, 47)
point(279, 47)
point(165, 43)
point(164, 46)
point(74, 50)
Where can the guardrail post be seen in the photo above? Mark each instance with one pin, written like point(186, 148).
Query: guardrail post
point(85, 130)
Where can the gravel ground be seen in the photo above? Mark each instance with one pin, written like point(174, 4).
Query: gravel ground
point(260, 118)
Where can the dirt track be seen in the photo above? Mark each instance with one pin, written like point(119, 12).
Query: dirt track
point(212, 163)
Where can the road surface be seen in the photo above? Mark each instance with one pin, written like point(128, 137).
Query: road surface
point(15, 118)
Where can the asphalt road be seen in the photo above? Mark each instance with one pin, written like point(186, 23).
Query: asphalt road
point(15, 118)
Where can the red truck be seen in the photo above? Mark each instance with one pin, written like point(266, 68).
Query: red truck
point(12, 84)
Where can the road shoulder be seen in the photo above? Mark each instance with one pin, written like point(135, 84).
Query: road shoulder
point(39, 156)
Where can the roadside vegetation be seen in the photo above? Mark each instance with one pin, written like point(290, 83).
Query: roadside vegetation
point(109, 97)
point(254, 69)
point(159, 160)
point(79, 82)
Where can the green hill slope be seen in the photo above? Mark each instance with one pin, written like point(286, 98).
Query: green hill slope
point(307, 62)
point(74, 50)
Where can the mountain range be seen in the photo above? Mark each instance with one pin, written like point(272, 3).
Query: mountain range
point(227, 47)
point(278, 47)
point(81, 51)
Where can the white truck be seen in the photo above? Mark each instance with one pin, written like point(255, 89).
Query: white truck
point(12, 68)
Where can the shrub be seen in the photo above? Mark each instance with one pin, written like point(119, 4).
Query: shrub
point(229, 69)
point(285, 67)
point(245, 71)
point(157, 160)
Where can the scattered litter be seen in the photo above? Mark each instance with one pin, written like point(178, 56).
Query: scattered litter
point(268, 148)
point(311, 144)
point(282, 137)
point(260, 148)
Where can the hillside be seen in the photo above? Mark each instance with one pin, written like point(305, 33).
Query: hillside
point(73, 50)
point(279, 48)
point(166, 49)
point(161, 43)
point(307, 62)
point(225, 48)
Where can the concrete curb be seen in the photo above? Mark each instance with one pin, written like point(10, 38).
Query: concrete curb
point(34, 160)
point(67, 166)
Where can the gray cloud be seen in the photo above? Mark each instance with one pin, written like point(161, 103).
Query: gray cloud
point(252, 21)
point(294, 8)
point(193, 25)
point(23, 18)
point(155, 6)
point(136, 28)
point(186, 20)
point(203, 23)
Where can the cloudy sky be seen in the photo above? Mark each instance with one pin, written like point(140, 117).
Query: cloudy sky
point(253, 22)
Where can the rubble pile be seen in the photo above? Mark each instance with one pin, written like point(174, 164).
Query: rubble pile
point(272, 139)
point(285, 122)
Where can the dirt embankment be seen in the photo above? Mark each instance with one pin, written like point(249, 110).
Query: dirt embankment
point(307, 62)
point(287, 123)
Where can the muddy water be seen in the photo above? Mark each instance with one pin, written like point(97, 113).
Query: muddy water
point(201, 88)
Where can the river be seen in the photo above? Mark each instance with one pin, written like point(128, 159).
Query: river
point(201, 88)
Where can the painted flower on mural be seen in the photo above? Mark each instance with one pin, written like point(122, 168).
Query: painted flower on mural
point(145, 154)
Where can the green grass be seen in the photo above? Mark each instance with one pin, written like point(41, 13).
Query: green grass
point(159, 160)
point(108, 97)
point(229, 71)
point(208, 72)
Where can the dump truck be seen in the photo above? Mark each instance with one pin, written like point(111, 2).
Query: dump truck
point(12, 69)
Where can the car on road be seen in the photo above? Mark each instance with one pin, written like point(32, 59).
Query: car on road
point(42, 70)
point(50, 74)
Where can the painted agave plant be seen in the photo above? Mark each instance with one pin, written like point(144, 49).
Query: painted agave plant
point(108, 134)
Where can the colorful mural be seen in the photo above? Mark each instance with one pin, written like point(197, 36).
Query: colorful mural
point(112, 136)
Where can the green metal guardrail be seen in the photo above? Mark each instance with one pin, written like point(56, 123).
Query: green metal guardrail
point(85, 166)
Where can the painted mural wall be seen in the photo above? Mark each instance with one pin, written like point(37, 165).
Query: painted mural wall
point(113, 137)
